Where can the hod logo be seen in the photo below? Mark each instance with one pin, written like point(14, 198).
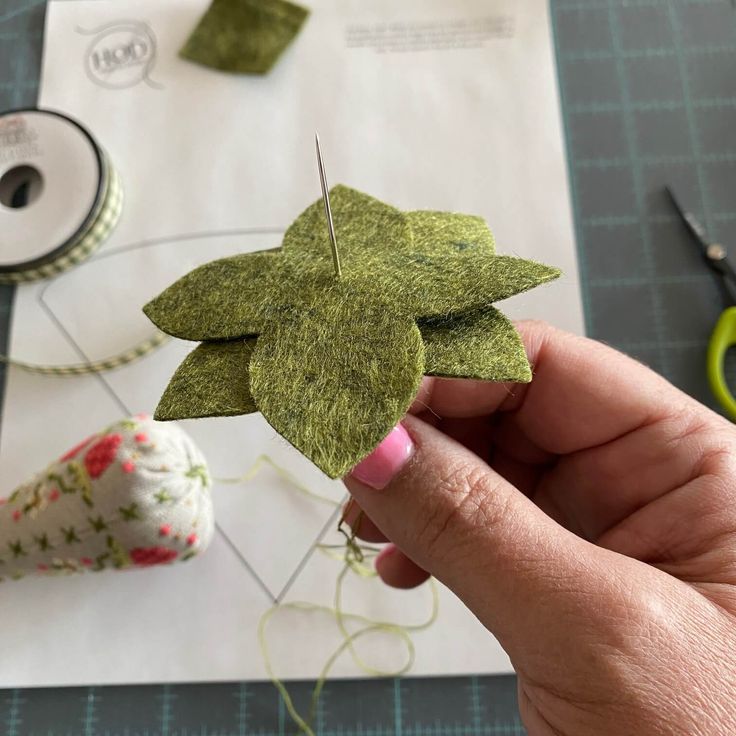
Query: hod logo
point(121, 54)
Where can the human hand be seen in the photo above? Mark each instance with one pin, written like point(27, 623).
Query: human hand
point(588, 520)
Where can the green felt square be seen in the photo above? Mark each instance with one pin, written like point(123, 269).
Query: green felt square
point(213, 380)
point(244, 36)
point(482, 345)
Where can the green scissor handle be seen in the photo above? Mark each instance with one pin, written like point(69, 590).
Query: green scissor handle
point(723, 337)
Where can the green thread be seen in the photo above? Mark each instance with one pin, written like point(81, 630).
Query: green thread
point(123, 424)
point(163, 496)
point(130, 513)
point(402, 632)
point(98, 524)
point(59, 481)
point(80, 476)
point(354, 557)
point(36, 500)
point(118, 553)
point(200, 473)
point(16, 549)
point(282, 473)
point(43, 542)
point(70, 535)
point(100, 561)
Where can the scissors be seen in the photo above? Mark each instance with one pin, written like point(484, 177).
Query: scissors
point(724, 333)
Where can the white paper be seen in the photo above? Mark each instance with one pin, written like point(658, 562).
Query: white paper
point(423, 104)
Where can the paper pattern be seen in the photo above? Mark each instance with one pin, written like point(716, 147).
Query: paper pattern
point(427, 105)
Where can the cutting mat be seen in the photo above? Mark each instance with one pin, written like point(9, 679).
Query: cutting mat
point(649, 97)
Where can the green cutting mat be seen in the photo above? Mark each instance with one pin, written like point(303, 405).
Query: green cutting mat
point(649, 96)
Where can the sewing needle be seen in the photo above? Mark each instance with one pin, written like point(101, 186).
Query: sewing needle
point(328, 209)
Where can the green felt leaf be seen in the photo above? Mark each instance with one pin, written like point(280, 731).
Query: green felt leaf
point(420, 277)
point(228, 298)
point(428, 285)
point(448, 233)
point(338, 361)
point(244, 36)
point(365, 228)
point(244, 295)
point(213, 380)
point(482, 345)
point(336, 381)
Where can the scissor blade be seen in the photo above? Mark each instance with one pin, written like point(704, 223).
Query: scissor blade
point(692, 223)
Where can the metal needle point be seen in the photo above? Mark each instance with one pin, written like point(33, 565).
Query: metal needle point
point(328, 210)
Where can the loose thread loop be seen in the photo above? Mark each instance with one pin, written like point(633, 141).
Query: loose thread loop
point(354, 557)
point(353, 551)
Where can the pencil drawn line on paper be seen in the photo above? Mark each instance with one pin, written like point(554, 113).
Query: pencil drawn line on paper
point(274, 597)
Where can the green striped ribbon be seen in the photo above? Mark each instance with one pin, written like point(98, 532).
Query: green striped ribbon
point(98, 366)
point(100, 224)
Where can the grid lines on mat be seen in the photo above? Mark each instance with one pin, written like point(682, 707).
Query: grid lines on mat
point(648, 99)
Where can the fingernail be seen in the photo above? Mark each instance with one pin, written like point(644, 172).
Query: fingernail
point(380, 467)
point(388, 551)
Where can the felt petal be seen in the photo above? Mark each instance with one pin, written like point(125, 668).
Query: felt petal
point(482, 345)
point(213, 381)
point(244, 36)
point(224, 299)
point(447, 233)
point(366, 230)
point(335, 381)
point(428, 285)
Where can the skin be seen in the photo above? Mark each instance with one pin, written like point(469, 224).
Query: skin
point(588, 519)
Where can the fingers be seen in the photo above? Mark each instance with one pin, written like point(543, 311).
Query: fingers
point(392, 565)
point(361, 525)
point(595, 490)
point(397, 570)
point(583, 394)
point(456, 518)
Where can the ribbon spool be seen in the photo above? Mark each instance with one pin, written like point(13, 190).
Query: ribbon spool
point(60, 199)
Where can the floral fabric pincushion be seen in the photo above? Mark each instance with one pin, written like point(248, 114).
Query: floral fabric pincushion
point(134, 495)
point(333, 363)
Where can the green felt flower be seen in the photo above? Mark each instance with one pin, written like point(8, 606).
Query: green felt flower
point(334, 363)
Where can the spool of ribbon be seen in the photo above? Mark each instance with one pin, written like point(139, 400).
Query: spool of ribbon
point(60, 199)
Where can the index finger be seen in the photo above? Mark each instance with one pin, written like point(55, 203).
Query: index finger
point(583, 394)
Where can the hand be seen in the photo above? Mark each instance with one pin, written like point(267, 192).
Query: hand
point(589, 521)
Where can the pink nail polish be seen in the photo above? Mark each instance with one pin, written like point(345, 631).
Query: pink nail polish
point(387, 551)
point(379, 468)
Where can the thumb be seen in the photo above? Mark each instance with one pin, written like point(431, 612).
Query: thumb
point(450, 513)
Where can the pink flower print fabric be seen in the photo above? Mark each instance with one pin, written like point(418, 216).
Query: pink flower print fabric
point(135, 495)
point(102, 454)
